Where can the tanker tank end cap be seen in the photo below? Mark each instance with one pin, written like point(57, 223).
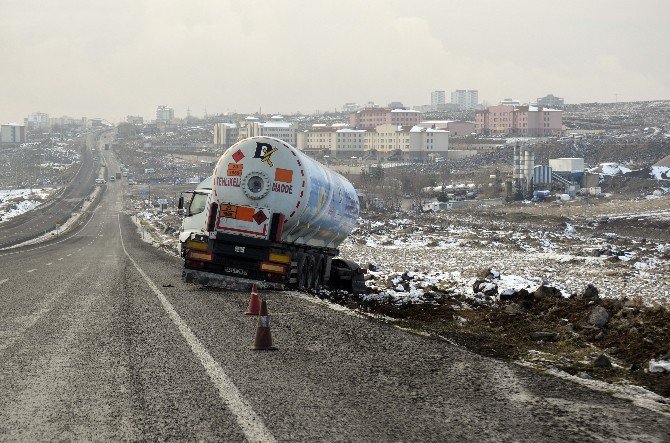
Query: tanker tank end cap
point(256, 184)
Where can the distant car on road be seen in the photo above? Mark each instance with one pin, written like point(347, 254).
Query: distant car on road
point(100, 181)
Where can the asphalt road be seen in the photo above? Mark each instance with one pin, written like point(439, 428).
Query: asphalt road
point(30, 225)
point(100, 340)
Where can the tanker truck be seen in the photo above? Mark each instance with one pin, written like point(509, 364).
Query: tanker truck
point(269, 215)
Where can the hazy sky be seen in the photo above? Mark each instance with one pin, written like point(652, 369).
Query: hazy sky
point(119, 57)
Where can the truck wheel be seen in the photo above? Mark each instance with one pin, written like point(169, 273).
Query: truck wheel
point(302, 272)
point(318, 273)
point(310, 272)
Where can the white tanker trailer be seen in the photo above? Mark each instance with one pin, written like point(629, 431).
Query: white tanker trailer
point(270, 215)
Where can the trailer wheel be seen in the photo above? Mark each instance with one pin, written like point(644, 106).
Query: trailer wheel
point(310, 272)
point(318, 272)
point(302, 272)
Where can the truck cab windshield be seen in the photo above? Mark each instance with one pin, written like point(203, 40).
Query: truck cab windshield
point(197, 204)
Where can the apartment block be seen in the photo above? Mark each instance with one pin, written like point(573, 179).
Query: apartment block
point(370, 118)
point(465, 98)
point(551, 101)
point(164, 114)
point(225, 135)
point(529, 121)
point(12, 133)
point(278, 129)
point(437, 99)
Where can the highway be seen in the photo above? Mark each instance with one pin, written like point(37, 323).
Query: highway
point(28, 226)
point(100, 340)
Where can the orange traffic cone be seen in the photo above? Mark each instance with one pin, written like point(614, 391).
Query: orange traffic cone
point(263, 341)
point(254, 302)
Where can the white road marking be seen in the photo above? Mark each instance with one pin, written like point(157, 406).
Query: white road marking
point(49, 264)
point(251, 424)
point(60, 258)
point(4, 281)
point(69, 255)
point(56, 242)
point(31, 270)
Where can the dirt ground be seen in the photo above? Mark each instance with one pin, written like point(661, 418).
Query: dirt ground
point(551, 332)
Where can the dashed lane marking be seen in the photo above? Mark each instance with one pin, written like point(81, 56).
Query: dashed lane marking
point(69, 255)
point(251, 424)
point(60, 258)
point(31, 270)
point(49, 264)
point(4, 281)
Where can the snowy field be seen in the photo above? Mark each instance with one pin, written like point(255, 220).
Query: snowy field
point(450, 250)
point(15, 202)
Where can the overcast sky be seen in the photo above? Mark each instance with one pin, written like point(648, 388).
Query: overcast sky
point(124, 57)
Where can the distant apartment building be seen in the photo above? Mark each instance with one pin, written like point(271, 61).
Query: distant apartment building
point(370, 118)
point(278, 129)
point(164, 114)
point(528, 121)
point(12, 133)
point(135, 120)
point(551, 101)
point(437, 99)
point(67, 121)
point(250, 127)
point(37, 120)
point(350, 107)
point(465, 98)
point(225, 135)
point(455, 128)
point(318, 139)
point(384, 141)
point(510, 101)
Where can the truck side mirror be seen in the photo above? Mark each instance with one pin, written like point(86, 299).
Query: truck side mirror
point(180, 203)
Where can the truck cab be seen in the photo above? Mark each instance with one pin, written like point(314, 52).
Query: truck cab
point(194, 209)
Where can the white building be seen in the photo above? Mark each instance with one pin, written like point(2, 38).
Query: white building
point(37, 120)
point(225, 134)
point(572, 165)
point(465, 99)
point(437, 99)
point(349, 142)
point(164, 114)
point(12, 133)
point(278, 129)
point(510, 101)
point(350, 107)
point(428, 143)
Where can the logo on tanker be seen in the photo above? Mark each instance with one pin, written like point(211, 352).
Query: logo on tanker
point(264, 151)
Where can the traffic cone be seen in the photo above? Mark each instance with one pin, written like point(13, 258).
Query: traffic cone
point(254, 302)
point(263, 341)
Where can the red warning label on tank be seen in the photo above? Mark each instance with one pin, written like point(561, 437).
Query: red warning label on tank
point(235, 170)
point(238, 155)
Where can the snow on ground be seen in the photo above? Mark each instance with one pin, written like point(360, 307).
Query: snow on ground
point(660, 172)
point(15, 202)
point(451, 250)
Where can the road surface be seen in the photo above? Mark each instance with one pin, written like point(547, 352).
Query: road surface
point(100, 340)
point(35, 223)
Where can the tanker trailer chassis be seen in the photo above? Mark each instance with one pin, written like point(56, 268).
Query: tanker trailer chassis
point(235, 262)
